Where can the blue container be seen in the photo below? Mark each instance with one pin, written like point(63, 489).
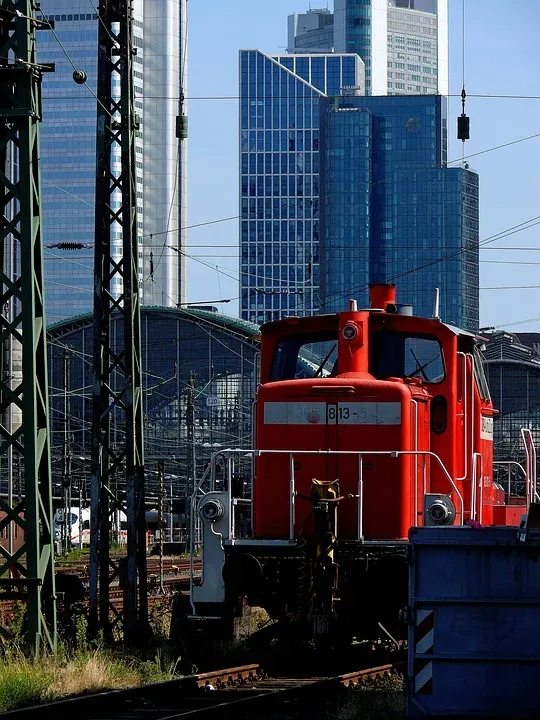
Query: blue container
point(474, 634)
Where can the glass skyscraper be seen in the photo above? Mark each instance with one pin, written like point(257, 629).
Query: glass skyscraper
point(68, 149)
point(392, 211)
point(279, 178)
point(68, 159)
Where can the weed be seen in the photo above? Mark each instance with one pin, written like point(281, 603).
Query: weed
point(92, 671)
point(82, 646)
point(71, 555)
point(22, 682)
point(160, 621)
point(260, 618)
point(117, 548)
point(159, 669)
point(79, 665)
point(16, 626)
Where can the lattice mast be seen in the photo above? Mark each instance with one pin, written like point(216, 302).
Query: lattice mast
point(117, 388)
point(26, 572)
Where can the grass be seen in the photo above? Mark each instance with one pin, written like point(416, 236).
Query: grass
point(83, 668)
point(23, 683)
point(72, 555)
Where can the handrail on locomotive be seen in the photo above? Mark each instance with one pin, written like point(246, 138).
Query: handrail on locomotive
point(227, 456)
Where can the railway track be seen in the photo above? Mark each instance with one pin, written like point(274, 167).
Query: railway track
point(176, 578)
point(170, 565)
point(240, 693)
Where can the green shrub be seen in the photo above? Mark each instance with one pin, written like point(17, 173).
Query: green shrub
point(23, 684)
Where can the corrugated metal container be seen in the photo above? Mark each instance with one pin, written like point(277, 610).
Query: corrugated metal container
point(474, 636)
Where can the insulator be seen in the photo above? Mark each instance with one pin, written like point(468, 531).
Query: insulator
point(463, 127)
point(79, 76)
point(181, 127)
point(69, 246)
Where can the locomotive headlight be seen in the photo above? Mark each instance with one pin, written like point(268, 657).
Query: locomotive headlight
point(439, 513)
point(212, 510)
point(349, 331)
point(439, 510)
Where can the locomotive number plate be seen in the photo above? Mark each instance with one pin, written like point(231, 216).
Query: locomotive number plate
point(321, 413)
point(369, 413)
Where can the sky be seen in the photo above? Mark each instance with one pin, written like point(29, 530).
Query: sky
point(502, 58)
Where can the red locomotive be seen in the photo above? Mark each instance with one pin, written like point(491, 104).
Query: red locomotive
point(368, 422)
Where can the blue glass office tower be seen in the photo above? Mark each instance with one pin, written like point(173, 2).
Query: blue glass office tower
point(392, 211)
point(279, 177)
point(68, 152)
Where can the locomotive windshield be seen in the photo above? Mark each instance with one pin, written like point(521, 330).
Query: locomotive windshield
point(398, 354)
point(305, 356)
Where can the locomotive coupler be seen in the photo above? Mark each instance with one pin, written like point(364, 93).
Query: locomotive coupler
point(325, 498)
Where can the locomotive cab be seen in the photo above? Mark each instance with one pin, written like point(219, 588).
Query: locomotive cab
point(392, 404)
point(368, 422)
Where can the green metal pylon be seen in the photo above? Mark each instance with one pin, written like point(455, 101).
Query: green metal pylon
point(26, 572)
point(117, 388)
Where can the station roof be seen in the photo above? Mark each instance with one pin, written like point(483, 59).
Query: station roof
point(235, 325)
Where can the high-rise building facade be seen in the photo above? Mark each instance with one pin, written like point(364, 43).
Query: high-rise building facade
point(392, 211)
point(279, 177)
point(403, 43)
point(312, 31)
point(417, 47)
point(68, 153)
point(403, 48)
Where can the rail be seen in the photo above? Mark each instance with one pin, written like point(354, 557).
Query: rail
point(217, 694)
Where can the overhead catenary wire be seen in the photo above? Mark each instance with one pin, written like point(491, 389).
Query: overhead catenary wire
point(190, 98)
point(238, 217)
point(493, 238)
point(511, 287)
point(218, 246)
point(292, 284)
point(520, 227)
